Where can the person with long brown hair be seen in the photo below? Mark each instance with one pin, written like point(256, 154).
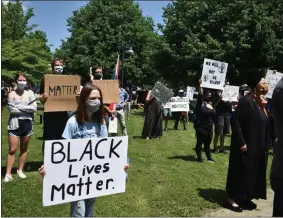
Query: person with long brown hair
point(87, 123)
point(22, 105)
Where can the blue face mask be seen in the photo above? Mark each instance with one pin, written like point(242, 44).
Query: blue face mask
point(93, 105)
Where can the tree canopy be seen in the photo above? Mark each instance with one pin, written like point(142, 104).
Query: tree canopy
point(22, 49)
point(245, 34)
point(103, 29)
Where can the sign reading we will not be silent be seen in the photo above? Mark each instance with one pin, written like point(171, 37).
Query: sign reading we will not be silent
point(213, 74)
point(78, 169)
point(62, 91)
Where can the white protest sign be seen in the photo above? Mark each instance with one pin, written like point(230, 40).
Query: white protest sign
point(272, 78)
point(113, 125)
point(179, 104)
point(162, 93)
point(213, 74)
point(190, 92)
point(230, 93)
point(78, 169)
point(167, 106)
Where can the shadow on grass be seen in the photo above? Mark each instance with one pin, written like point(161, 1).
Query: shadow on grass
point(40, 138)
point(218, 196)
point(29, 167)
point(138, 137)
point(185, 158)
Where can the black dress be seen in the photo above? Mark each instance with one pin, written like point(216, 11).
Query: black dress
point(152, 127)
point(247, 170)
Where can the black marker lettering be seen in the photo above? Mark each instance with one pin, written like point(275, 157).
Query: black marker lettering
point(107, 182)
point(70, 172)
point(88, 146)
point(73, 189)
point(61, 188)
point(57, 152)
point(52, 91)
point(112, 150)
point(69, 154)
point(99, 184)
point(96, 154)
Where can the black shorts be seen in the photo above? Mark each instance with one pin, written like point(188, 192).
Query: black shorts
point(222, 125)
point(25, 129)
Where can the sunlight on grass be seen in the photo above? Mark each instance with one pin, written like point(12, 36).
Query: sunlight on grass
point(164, 178)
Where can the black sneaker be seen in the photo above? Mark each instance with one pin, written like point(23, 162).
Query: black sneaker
point(223, 151)
point(210, 160)
point(200, 159)
point(215, 151)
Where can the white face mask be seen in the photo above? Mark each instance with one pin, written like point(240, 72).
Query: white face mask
point(58, 69)
point(93, 105)
point(21, 85)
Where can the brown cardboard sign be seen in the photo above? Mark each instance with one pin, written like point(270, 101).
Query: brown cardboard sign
point(61, 91)
point(109, 89)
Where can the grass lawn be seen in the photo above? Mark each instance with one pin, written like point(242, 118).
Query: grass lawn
point(164, 178)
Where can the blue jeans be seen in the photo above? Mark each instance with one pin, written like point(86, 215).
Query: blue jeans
point(83, 208)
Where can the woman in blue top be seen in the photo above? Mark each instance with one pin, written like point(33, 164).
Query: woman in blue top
point(88, 123)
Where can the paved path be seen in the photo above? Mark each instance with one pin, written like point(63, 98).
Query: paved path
point(264, 208)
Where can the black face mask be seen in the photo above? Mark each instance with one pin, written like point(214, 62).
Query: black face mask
point(207, 99)
point(98, 76)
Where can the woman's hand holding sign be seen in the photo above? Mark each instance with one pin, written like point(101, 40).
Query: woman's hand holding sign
point(43, 98)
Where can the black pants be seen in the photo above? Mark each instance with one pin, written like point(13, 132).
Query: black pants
point(180, 117)
point(277, 186)
point(204, 136)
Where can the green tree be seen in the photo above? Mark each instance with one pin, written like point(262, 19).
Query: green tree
point(15, 21)
point(101, 30)
point(22, 49)
point(245, 34)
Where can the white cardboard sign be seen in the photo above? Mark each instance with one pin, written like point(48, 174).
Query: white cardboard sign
point(272, 78)
point(190, 92)
point(78, 169)
point(113, 125)
point(162, 93)
point(230, 93)
point(213, 74)
point(179, 104)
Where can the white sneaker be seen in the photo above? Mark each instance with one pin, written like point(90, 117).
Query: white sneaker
point(8, 178)
point(21, 174)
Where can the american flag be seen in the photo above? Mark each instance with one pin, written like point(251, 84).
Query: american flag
point(116, 71)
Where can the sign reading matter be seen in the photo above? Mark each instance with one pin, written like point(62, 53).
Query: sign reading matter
point(179, 104)
point(213, 74)
point(162, 93)
point(230, 93)
point(109, 89)
point(62, 91)
point(272, 78)
point(79, 169)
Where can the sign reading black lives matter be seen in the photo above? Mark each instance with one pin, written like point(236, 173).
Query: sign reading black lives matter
point(78, 169)
point(162, 93)
point(213, 74)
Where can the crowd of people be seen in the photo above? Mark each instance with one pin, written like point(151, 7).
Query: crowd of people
point(255, 123)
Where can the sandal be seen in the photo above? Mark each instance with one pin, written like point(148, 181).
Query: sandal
point(233, 206)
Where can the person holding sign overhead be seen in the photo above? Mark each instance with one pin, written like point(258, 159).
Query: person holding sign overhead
point(87, 123)
point(204, 124)
point(246, 178)
point(22, 105)
point(53, 122)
